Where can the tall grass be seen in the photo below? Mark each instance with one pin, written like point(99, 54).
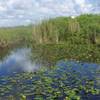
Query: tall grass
point(9, 36)
point(82, 29)
point(77, 38)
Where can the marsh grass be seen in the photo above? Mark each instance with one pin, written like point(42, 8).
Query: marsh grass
point(14, 36)
point(63, 37)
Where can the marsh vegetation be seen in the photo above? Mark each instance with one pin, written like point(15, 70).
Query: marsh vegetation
point(56, 59)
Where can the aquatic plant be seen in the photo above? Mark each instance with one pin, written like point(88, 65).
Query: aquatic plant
point(68, 80)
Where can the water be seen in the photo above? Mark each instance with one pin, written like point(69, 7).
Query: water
point(20, 74)
point(18, 61)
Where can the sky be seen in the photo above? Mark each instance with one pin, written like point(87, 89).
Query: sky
point(23, 12)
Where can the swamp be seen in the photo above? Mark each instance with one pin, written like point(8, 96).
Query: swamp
point(55, 59)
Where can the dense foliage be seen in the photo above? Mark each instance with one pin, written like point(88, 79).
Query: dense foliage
point(83, 29)
point(64, 37)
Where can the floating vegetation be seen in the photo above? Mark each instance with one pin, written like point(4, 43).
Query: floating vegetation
point(68, 80)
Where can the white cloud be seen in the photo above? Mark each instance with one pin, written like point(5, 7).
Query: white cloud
point(2, 7)
point(80, 2)
point(19, 11)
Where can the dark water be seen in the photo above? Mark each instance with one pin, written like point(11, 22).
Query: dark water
point(17, 71)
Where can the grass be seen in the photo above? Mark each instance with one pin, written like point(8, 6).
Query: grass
point(60, 38)
point(9, 36)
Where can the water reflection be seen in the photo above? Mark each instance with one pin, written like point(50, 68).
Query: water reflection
point(66, 74)
point(18, 60)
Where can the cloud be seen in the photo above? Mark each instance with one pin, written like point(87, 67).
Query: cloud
point(18, 12)
point(2, 7)
point(13, 62)
point(80, 1)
